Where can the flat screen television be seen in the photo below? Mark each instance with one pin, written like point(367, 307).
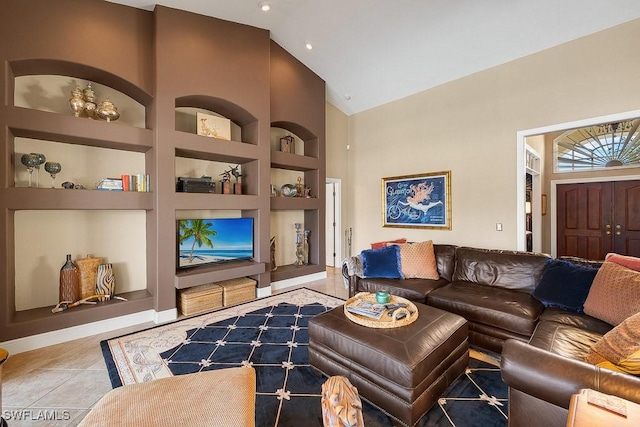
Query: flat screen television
point(213, 241)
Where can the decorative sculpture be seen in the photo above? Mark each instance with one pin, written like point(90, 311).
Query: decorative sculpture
point(341, 405)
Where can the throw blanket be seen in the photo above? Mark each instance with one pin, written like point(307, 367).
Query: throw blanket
point(354, 268)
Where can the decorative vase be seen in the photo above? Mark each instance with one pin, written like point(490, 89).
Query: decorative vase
point(107, 111)
point(105, 281)
point(89, 101)
point(76, 102)
point(88, 271)
point(69, 281)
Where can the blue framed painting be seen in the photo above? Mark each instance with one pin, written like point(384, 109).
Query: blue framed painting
point(417, 201)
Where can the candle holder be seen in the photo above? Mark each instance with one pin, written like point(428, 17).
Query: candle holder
point(41, 159)
point(53, 168)
point(30, 161)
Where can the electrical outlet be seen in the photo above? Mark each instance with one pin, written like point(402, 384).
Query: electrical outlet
point(498, 226)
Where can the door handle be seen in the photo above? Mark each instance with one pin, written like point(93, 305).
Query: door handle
point(608, 229)
point(618, 230)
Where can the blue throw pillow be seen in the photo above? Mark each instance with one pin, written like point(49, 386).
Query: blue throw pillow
point(565, 285)
point(382, 263)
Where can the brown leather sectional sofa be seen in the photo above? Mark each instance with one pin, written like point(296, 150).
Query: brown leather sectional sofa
point(541, 348)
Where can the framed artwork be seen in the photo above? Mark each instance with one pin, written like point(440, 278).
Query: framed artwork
point(213, 126)
point(417, 201)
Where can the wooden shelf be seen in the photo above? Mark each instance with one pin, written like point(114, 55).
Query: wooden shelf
point(295, 162)
point(43, 125)
point(39, 320)
point(25, 198)
point(203, 148)
point(202, 275)
point(295, 203)
point(195, 201)
point(290, 271)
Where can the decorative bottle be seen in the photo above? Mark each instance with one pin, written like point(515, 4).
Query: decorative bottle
point(105, 281)
point(69, 281)
point(305, 248)
point(299, 245)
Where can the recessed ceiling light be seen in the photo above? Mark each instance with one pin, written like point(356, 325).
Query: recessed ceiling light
point(264, 6)
point(309, 45)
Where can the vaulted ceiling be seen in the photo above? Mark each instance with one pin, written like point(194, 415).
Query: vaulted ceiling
point(371, 52)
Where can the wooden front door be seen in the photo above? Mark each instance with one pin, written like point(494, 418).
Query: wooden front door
point(597, 218)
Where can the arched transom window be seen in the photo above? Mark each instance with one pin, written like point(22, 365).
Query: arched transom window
point(601, 146)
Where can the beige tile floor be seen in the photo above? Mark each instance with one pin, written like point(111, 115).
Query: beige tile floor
point(64, 381)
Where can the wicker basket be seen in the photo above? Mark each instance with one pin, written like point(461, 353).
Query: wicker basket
point(200, 299)
point(385, 321)
point(238, 290)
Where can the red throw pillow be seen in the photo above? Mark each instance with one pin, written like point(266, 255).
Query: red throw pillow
point(379, 245)
point(624, 260)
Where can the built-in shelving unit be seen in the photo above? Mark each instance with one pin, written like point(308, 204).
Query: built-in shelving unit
point(229, 69)
point(298, 107)
point(47, 51)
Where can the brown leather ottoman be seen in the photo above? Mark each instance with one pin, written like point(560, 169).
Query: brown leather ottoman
point(401, 370)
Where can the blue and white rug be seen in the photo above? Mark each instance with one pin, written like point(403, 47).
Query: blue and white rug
point(270, 334)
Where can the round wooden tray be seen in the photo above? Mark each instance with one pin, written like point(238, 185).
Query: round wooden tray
point(385, 321)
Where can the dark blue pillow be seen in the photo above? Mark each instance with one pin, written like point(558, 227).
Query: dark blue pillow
point(565, 285)
point(382, 263)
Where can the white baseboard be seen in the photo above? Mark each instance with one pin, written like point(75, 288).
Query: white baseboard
point(33, 342)
point(263, 292)
point(283, 284)
point(165, 316)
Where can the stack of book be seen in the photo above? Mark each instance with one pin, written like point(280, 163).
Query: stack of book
point(137, 182)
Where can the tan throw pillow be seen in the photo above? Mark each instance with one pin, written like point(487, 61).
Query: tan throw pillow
point(619, 349)
point(418, 260)
point(614, 294)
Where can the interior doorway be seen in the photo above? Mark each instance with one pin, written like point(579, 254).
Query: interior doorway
point(548, 205)
point(333, 222)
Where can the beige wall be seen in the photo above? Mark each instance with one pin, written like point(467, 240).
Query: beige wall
point(337, 140)
point(469, 126)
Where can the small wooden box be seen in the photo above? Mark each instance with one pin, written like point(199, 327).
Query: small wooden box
point(200, 299)
point(238, 290)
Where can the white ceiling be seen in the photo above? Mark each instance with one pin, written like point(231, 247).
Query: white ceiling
point(371, 52)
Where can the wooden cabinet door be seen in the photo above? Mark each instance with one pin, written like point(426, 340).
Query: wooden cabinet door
point(596, 218)
point(583, 211)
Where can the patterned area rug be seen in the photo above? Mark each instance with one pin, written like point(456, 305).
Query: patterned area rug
point(270, 334)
